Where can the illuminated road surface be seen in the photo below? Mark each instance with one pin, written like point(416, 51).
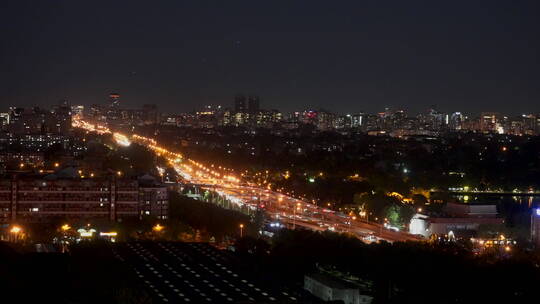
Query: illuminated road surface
point(284, 208)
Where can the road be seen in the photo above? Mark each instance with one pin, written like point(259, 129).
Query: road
point(280, 207)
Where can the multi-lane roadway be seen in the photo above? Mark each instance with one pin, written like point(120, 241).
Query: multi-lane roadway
point(296, 213)
point(286, 209)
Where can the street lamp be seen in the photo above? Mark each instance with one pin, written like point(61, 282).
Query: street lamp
point(158, 228)
point(65, 228)
point(383, 224)
point(241, 230)
point(350, 222)
point(365, 215)
point(297, 206)
point(15, 230)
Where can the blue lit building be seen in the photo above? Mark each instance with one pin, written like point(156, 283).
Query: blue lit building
point(535, 227)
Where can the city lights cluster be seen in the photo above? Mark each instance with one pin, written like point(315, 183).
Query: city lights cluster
point(99, 129)
point(121, 139)
point(249, 190)
point(191, 170)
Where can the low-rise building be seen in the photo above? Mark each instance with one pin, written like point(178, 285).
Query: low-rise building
point(458, 218)
point(445, 225)
point(460, 226)
point(332, 289)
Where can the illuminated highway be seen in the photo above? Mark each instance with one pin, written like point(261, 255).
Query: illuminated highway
point(286, 209)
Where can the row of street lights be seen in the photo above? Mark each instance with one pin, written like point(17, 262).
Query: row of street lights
point(16, 232)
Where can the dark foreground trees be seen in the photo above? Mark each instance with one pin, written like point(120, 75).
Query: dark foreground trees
point(210, 218)
point(88, 274)
point(411, 272)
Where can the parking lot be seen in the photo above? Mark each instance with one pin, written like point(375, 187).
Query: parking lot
point(193, 272)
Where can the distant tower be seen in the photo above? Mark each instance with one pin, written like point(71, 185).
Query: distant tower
point(114, 100)
point(240, 104)
point(62, 117)
point(113, 112)
point(253, 104)
point(489, 121)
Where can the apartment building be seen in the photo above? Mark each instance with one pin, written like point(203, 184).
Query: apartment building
point(41, 199)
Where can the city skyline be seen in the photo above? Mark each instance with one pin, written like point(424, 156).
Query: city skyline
point(353, 57)
point(269, 151)
point(230, 105)
point(247, 112)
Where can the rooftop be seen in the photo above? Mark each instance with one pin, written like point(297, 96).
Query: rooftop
point(331, 281)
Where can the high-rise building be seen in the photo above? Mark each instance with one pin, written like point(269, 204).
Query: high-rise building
point(150, 114)
point(455, 121)
point(253, 105)
point(397, 119)
point(114, 100)
point(97, 113)
point(358, 120)
point(529, 124)
point(15, 118)
point(516, 127)
point(436, 120)
point(309, 117)
point(240, 104)
point(249, 104)
point(342, 122)
point(490, 122)
point(4, 120)
point(326, 121)
point(31, 121)
point(61, 119)
point(372, 122)
point(114, 114)
point(537, 125)
point(77, 111)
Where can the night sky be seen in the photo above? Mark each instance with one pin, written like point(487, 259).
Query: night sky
point(343, 56)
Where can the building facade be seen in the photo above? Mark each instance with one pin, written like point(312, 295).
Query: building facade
point(330, 289)
point(154, 201)
point(43, 199)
